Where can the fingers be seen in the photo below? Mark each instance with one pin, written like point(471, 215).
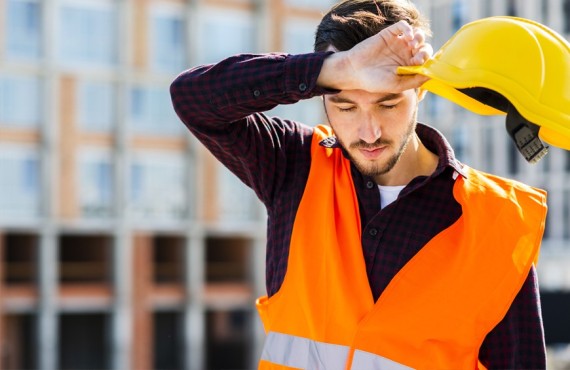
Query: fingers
point(422, 55)
point(400, 29)
point(419, 51)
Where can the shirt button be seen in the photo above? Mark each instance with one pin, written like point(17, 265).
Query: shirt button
point(369, 184)
point(303, 87)
point(373, 232)
point(256, 93)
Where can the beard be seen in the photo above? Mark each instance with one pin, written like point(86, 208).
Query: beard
point(377, 168)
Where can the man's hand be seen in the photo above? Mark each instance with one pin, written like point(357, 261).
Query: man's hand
point(371, 65)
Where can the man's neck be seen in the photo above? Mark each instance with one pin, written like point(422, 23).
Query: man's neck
point(416, 161)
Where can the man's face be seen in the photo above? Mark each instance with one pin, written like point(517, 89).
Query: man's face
point(374, 129)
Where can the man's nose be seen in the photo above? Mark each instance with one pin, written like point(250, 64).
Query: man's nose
point(369, 130)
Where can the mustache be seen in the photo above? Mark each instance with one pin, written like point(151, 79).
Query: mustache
point(364, 145)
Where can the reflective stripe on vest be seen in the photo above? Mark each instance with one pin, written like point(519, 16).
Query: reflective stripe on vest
point(302, 353)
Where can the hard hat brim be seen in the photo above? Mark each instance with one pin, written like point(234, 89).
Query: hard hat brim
point(436, 86)
point(449, 92)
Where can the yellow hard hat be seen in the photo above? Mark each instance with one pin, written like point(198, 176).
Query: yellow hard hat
point(507, 65)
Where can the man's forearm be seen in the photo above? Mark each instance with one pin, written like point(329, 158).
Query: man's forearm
point(244, 84)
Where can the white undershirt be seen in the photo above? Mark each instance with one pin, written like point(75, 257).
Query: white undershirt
point(388, 194)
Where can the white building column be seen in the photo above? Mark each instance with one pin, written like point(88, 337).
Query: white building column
point(194, 316)
point(48, 346)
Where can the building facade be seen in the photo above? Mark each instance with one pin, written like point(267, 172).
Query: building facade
point(123, 243)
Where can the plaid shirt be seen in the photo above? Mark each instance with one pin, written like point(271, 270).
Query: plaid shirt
point(220, 104)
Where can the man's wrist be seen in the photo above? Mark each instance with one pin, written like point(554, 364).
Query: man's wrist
point(332, 75)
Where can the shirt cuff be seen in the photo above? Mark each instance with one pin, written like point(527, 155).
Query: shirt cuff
point(302, 72)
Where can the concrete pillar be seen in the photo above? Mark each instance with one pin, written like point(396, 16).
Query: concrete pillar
point(121, 329)
point(194, 322)
point(48, 343)
point(2, 280)
point(121, 316)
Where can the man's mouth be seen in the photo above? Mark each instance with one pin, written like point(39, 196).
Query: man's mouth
point(372, 153)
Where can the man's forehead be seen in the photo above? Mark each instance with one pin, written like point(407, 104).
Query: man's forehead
point(354, 97)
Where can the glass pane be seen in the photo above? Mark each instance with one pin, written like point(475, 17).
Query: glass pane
point(19, 183)
point(79, 350)
point(152, 112)
point(297, 37)
point(225, 35)
point(228, 332)
point(19, 101)
point(169, 43)
point(88, 35)
point(236, 200)
point(96, 106)
point(19, 333)
point(168, 340)
point(309, 112)
point(158, 187)
point(96, 184)
point(567, 16)
point(23, 29)
point(323, 5)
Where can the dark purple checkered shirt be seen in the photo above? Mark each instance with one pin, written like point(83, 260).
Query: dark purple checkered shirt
point(220, 104)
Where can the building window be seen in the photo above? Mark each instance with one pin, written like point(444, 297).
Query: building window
point(158, 186)
point(313, 4)
point(89, 264)
point(236, 201)
point(297, 40)
point(567, 16)
point(459, 12)
point(79, 350)
point(88, 33)
point(168, 42)
point(224, 34)
point(20, 259)
point(168, 340)
point(460, 140)
point(487, 8)
point(443, 29)
point(566, 215)
point(512, 8)
point(23, 23)
point(19, 333)
point(228, 332)
point(309, 112)
point(96, 184)
point(513, 158)
point(97, 106)
point(152, 112)
point(19, 183)
point(19, 101)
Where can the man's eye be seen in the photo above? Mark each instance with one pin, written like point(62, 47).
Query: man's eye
point(390, 106)
point(349, 109)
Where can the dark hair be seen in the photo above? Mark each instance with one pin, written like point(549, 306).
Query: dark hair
point(352, 21)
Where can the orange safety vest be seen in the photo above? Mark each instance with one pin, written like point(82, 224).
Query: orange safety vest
point(436, 311)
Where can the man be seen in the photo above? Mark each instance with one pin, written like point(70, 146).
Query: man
point(382, 249)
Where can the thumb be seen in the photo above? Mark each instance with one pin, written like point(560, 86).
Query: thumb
point(408, 82)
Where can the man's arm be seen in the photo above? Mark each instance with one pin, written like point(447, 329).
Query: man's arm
point(517, 342)
point(220, 105)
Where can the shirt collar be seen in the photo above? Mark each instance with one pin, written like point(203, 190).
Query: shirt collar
point(432, 139)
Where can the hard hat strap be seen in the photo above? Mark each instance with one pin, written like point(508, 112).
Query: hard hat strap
point(525, 136)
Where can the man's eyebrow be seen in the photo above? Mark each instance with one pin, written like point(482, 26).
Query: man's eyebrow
point(339, 99)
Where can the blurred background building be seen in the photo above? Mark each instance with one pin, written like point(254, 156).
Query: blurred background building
point(123, 244)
